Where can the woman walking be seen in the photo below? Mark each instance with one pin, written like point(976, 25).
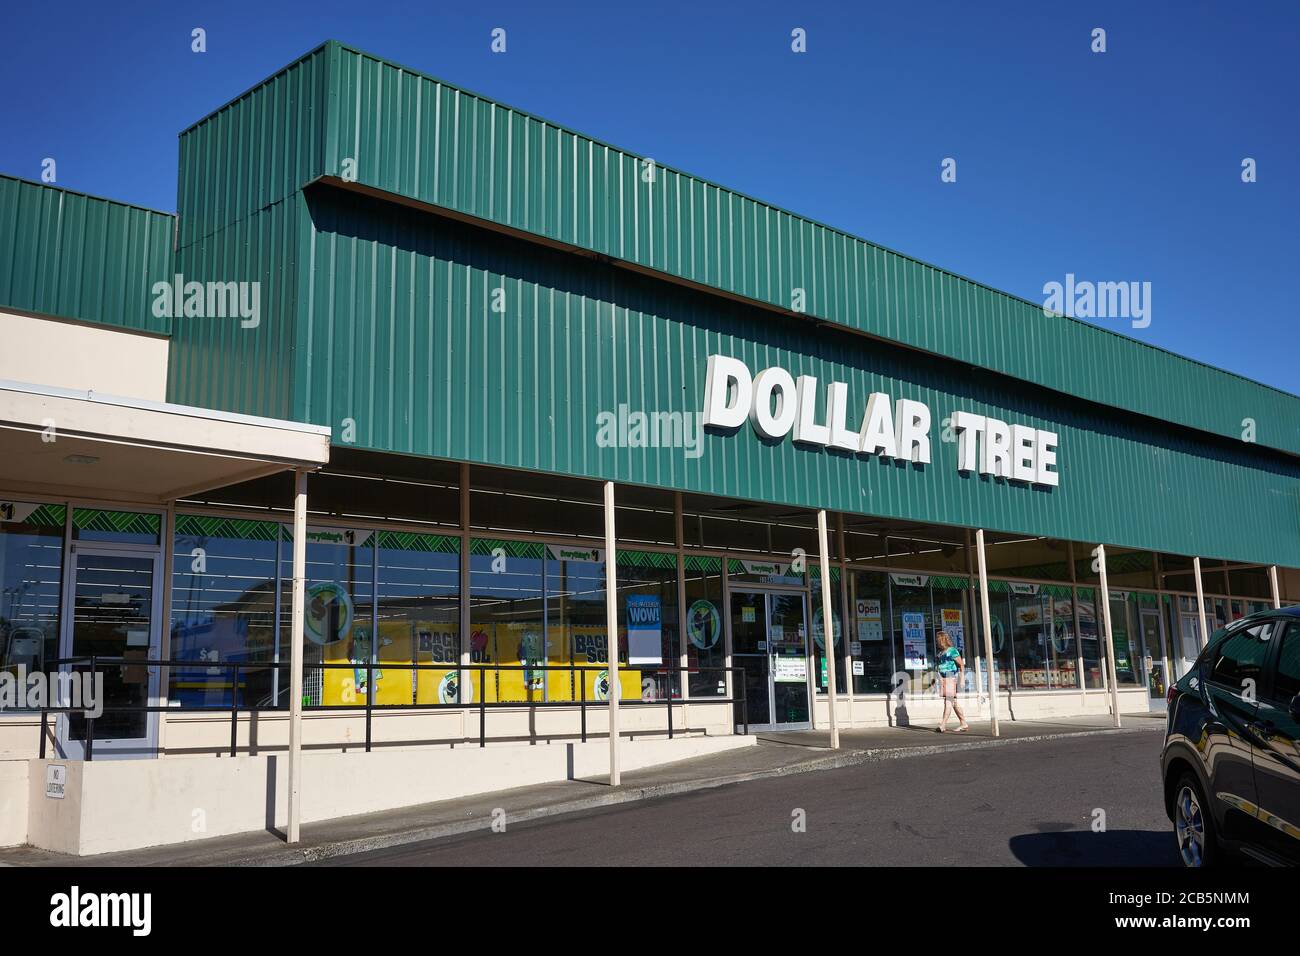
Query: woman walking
point(952, 670)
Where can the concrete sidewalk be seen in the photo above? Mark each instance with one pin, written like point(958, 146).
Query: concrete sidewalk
point(776, 754)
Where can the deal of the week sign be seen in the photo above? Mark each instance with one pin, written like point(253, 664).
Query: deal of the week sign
point(777, 405)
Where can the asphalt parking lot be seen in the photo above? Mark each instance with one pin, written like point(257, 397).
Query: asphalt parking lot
point(1081, 801)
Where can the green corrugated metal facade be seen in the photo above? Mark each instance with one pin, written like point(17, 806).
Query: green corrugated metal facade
point(378, 309)
point(241, 210)
point(415, 136)
point(75, 256)
point(404, 341)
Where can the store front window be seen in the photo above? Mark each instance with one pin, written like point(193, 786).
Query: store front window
point(1042, 627)
point(576, 631)
point(952, 614)
point(507, 581)
point(873, 658)
point(1089, 642)
point(223, 611)
point(706, 650)
point(1064, 659)
point(1185, 625)
point(419, 619)
point(544, 604)
point(1217, 610)
point(820, 677)
point(338, 625)
point(1002, 627)
point(912, 624)
point(1125, 634)
point(31, 574)
point(648, 622)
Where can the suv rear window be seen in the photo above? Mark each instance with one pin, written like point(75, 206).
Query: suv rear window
point(1240, 657)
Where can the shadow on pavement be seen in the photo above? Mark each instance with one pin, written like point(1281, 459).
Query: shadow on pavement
point(1085, 848)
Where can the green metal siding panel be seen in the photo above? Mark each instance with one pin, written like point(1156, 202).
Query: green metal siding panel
point(239, 197)
point(257, 150)
point(420, 138)
point(219, 363)
point(406, 345)
point(75, 256)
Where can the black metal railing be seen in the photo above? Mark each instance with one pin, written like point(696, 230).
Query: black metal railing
point(93, 663)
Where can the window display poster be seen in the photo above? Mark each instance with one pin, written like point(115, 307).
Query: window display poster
point(913, 640)
point(644, 642)
point(952, 623)
point(787, 669)
point(868, 614)
point(1027, 615)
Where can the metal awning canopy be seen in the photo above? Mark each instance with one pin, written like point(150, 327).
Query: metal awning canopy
point(79, 444)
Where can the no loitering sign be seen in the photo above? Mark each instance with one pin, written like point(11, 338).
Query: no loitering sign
point(56, 781)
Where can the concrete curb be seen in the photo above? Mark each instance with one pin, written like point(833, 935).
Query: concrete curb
point(326, 851)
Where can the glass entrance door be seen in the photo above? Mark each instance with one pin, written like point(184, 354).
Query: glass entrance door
point(1153, 656)
point(769, 641)
point(114, 599)
point(1189, 633)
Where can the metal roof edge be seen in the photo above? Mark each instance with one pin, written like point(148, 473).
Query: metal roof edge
point(256, 86)
point(167, 408)
point(835, 229)
point(24, 181)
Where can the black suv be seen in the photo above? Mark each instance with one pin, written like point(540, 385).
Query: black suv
point(1231, 760)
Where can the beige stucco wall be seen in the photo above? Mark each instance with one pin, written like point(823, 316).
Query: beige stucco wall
point(126, 804)
point(74, 355)
point(13, 802)
point(927, 709)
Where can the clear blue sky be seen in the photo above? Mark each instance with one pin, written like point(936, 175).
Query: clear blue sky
point(1117, 166)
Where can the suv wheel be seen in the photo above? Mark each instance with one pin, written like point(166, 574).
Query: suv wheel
point(1193, 824)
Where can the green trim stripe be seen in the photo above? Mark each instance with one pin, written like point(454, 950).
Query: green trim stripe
point(815, 572)
point(241, 529)
point(702, 562)
point(950, 582)
point(648, 559)
point(513, 549)
point(414, 541)
point(124, 522)
point(363, 536)
point(48, 516)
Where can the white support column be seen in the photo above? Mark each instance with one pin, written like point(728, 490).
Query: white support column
point(295, 653)
point(845, 597)
point(828, 626)
point(1110, 639)
point(467, 681)
point(611, 627)
point(162, 693)
point(987, 621)
point(1272, 583)
point(683, 661)
point(1200, 600)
